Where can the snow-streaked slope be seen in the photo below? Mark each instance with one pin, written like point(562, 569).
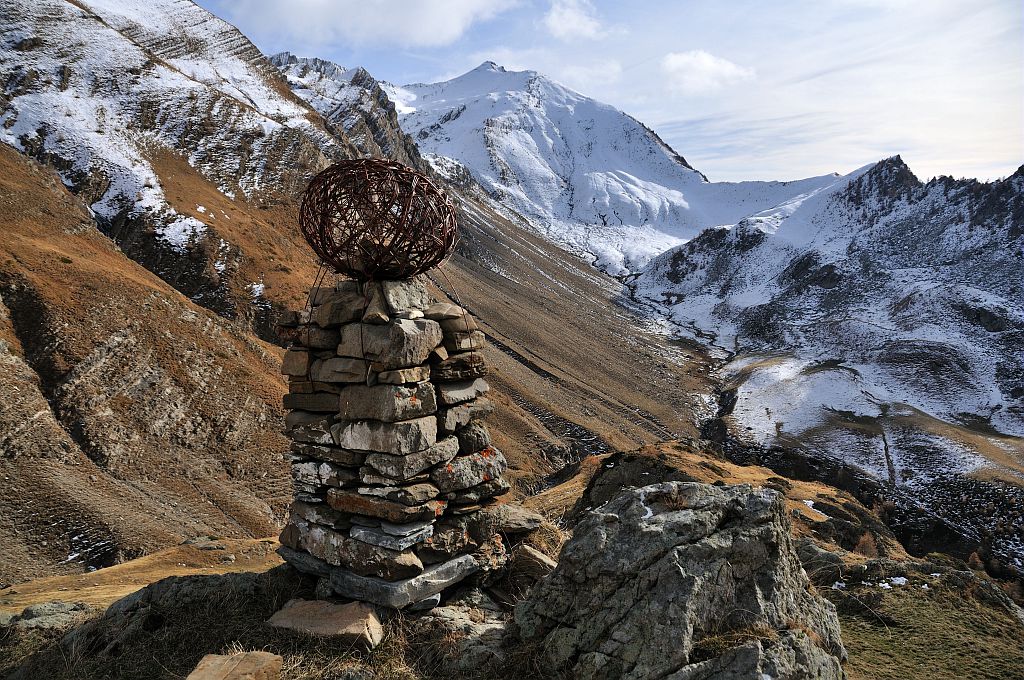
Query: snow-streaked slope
point(95, 88)
point(586, 174)
point(880, 320)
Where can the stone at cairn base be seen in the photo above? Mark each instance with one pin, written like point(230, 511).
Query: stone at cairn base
point(355, 622)
point(247, 666)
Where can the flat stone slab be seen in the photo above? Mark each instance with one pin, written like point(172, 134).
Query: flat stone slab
point(410, 465)
point(401, 594)
point(389, 403)
point(354, 622)
point(373, 506)
point(402, 376)
point(407, 436)
point(383, 539)
point(463, 390)
point(244, 666)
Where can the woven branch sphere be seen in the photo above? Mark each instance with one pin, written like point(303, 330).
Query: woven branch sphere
point(373, 219)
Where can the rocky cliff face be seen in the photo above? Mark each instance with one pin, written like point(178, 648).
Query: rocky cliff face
point(879, 321)
point(683, 580)
point(354, 102)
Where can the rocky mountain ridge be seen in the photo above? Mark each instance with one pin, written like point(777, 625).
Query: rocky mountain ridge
point(879, 322)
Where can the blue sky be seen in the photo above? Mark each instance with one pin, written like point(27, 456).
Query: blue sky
point(743, 90)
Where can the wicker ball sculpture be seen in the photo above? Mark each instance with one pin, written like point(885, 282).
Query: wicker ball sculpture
point(373, 219)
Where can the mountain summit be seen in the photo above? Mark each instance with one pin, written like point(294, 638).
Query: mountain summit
point(588, 175)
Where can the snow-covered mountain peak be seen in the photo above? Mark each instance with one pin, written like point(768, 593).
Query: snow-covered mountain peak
point(585, 174)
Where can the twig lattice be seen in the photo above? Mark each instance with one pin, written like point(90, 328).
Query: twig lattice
point(374, 219)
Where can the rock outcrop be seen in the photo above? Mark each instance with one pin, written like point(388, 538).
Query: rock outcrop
point(683, 580)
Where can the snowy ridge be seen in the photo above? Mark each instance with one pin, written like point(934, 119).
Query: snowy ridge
point(585, 174)
point(880, 320)
point(95, 91)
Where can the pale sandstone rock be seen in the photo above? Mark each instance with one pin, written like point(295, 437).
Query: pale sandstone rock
point(243, 666)
point(354, 623)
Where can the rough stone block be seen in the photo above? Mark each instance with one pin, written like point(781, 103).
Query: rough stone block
point(401, 594)
point(312, 428)
point(402, 376)
point(367, 475)
point(412, 494)
point(472, 438)
point(319, 513)
point(333, 454)
point(303, 561)
point(399, 438)
point(340, 308)
point(464, 342)
point(376, 308)
point(463, 472)
point(464, 390)
point(460, 324)
point(287, 318)
point(474, 494)
point(355, 623)
point(404, 295)
point(318, 338)
point(386, 540)
point(410, 465)
point(443, 310)
point(296, 362)
point(360, 557)
point(372, 506)
point(339, 370)
point(242, 666)
point(451, 419)
point(399, 344)
point(389, 403)
point(464, 366)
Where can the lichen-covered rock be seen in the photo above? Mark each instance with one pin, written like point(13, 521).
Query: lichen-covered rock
point(463, 472)
point(651, 573)
point(389, 403)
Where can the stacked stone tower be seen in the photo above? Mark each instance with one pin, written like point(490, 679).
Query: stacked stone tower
point(394, 474)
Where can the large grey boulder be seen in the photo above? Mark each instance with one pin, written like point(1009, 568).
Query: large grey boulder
point(649, 578)
point(399, 344)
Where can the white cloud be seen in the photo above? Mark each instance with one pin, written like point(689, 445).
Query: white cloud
point(424, 23)
point(698, 72)
point(573, 19)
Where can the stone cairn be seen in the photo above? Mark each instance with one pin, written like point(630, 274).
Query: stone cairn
point(394, 474)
